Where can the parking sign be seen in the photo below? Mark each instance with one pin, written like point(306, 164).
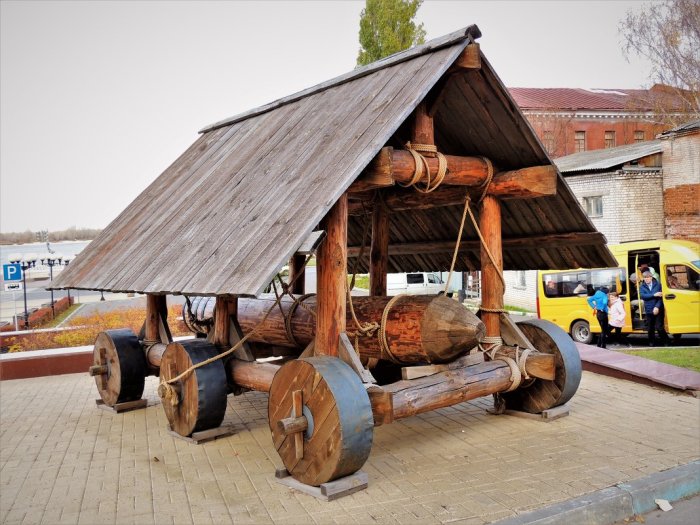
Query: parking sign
point(12, 272)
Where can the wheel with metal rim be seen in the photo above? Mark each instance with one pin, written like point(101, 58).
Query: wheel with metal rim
point(119, 366)
point(201, 395)
point(541, 394)
point(581, 332)
point(337, 414)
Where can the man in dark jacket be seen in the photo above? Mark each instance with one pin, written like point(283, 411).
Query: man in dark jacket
point(651, 294)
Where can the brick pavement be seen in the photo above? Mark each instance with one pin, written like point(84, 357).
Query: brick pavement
point(62, 460)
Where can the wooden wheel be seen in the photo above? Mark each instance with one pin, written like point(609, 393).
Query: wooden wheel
point(201, 393)
point(337, 419)
point(541, 394)
point(119, 366)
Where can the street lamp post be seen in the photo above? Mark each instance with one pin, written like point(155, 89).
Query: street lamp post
point(26, 264)
point(52, 260)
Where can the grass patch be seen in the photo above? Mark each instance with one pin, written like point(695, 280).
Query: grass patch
point(61, 317)
point(361, 280)
point(511, 308)
point(685, 357)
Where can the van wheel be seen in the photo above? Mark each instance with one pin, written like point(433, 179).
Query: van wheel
point(581, 332)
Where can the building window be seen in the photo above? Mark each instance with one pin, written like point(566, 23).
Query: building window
point(548, 139)
point(639, 136)
point(594, 205)
point(580, 141)
point(609, 139)
point(520, 279)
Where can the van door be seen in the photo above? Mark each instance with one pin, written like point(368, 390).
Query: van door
point(415, 284)
point(681, 288)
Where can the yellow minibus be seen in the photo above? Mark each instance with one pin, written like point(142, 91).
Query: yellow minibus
point(561, 294)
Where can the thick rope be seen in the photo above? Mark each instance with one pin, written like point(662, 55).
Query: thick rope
point(166, 390)
point(521, 359)
point(419, 153)
point(515, 374)
point(383, 343)
point(290, 314)
point(489, 178)
point(459, 240)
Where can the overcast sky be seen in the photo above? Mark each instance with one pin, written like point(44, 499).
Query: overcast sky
point(98, 98)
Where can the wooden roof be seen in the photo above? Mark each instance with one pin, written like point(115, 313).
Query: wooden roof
point(239, 202)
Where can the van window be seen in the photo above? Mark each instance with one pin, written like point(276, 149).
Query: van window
point(584, 282)
point(433, 279)
point(414, 278)
point(682, 277)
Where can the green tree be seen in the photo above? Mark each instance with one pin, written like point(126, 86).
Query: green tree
point(387, 27)
point(668, 34)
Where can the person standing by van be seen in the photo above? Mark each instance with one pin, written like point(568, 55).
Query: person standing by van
point(617, 316)
point(599, 302)
point(651, 294)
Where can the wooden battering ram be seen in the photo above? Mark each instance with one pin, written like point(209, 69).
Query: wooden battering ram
point(323, 403)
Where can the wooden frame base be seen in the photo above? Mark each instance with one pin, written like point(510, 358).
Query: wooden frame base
point(327, 491)
point(197, 438)
point(122, 407)
point(546, 415)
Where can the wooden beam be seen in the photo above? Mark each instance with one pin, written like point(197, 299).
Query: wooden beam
point(492, 287)
point(469, 59)
point(378, 174)
point(297, 275)
point(156, 308)
point(516, 243)
point(423, 131)
point(331, 267)
point(524, 183)
point(379, 250)
point(222, 313)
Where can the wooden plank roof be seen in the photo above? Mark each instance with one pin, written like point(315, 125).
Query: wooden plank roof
point(237, 204)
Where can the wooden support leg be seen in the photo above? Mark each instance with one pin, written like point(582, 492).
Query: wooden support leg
point(156, 312)
point(492, 288)
point(296, 274)
point(379, 251)
point(332, 267)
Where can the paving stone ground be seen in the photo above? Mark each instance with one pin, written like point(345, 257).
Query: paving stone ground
point(62, 460)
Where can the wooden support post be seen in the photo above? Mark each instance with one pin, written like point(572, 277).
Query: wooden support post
point(223, 309)
point(156, 312)
point(492, 287)
point(423, 131)
point(379, 251)
point(296, 273)
point(331, 270)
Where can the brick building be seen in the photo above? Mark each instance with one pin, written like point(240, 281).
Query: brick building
point(649, 190)
point(681, 186)
point(569, 121)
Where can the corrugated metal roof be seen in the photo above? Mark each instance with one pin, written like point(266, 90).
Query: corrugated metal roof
point(237, 204)
point(688, 127)
point(605, 159)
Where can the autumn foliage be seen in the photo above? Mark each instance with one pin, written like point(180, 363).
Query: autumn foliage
point(86, 328)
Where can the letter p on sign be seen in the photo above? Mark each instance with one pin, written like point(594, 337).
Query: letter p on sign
point(12, 272)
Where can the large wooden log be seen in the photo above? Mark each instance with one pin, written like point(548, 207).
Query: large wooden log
point(447, 388)
point(419, 329)
point(399, 165)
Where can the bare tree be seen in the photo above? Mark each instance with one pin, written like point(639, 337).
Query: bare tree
point(668, 34)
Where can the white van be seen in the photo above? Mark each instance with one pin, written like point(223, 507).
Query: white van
point(419, 283)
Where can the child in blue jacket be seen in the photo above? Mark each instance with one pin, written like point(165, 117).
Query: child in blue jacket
point(599, 302)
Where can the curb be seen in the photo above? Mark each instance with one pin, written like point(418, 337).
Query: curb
point(616, 503)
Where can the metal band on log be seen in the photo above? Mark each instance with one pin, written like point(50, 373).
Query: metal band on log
point(419, 329)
